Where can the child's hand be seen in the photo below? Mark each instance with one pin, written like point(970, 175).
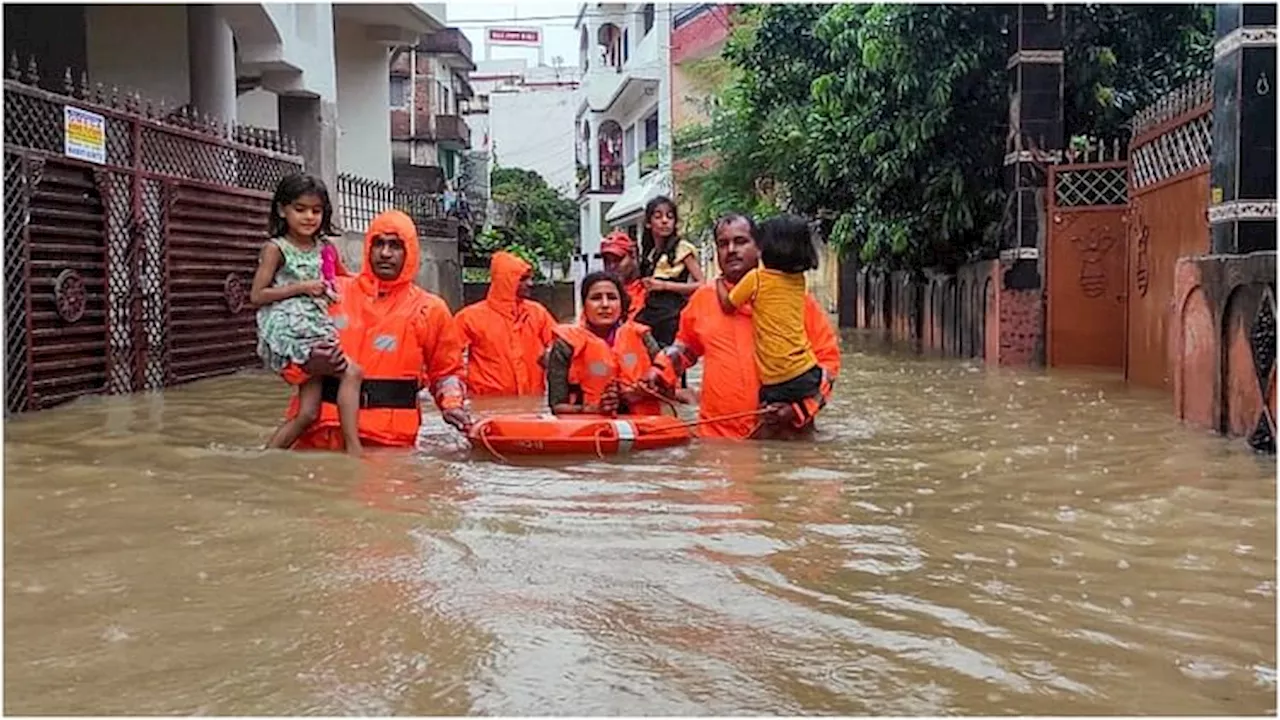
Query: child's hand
point(314, 288)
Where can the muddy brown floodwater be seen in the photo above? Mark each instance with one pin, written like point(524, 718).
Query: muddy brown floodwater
point(959, 541)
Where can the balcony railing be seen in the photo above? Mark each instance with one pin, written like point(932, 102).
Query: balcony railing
point(584, 179)
point(453, 129)
point(611, 178)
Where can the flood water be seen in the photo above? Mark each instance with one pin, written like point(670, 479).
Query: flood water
point(960, 541)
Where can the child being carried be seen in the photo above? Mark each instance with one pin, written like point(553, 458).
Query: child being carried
point(788, 368)
point(292, 289)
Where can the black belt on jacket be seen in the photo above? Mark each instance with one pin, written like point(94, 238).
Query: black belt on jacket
point(392, 394)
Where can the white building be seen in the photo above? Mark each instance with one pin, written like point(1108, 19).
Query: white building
point(622, 121)
point(281, 66)
point(526, 117)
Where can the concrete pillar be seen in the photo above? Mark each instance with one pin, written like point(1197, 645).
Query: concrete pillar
point(1242, 201)
point(662, 26)
point(313, 123)
point(593, 150)
point(211, 56)
point(1035, 130)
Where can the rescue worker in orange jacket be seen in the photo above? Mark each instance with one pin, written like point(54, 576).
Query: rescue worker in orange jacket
point(621, 257)
point(725, 344)
point(594, 366)
point(401, 335)
point(506, 334)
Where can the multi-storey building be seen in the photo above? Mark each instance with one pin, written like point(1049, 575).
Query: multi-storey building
point(430, 86)
point(623, 119)
point(523, 116)
point(286, 67)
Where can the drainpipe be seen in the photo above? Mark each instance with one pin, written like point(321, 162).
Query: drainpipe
point(413, 99)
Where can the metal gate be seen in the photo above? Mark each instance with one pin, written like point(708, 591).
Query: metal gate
point(128, 271)
point(1085, 264)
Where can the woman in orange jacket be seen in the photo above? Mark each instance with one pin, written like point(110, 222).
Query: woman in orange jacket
point(594, 366)
point(506, 333)
point(402, 336)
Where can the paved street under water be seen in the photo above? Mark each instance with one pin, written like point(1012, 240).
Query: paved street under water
point(960, 541)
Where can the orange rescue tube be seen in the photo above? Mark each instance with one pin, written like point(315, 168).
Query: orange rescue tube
point(598, 435)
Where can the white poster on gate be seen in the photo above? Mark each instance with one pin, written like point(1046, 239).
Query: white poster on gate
point(84, 135)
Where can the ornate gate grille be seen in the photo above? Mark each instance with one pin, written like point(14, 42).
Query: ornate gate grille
point(92, 272)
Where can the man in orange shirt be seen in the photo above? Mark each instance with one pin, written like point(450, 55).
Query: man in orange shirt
point(506, 333)
point(620, 257)
point(730, 382)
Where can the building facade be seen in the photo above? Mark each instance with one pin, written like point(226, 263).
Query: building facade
point(622, 120)
point(430, 87)
point(523, 116)
point(698, 34)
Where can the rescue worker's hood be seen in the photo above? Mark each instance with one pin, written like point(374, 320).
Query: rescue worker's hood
point(505, 271)
point(391, 222)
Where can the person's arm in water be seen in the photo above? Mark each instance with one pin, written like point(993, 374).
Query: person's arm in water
point(559, 358)
point(442, 343)
point(261, 293)
point(696, 279)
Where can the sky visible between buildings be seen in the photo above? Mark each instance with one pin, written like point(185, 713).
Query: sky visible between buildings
point(554, 18)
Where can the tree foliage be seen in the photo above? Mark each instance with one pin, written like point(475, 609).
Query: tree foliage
point(541, 223)
point(892, 119)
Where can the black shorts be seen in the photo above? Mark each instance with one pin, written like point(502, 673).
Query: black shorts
point(806, 385)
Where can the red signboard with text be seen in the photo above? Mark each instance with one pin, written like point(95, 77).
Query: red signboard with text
point(526, 37)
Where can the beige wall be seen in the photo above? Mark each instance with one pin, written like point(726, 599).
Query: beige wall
point(139, 48)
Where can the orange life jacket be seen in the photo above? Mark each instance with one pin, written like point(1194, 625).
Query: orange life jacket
point(506, 336)
point(595, 364)
point(637, 292)
point(403, 338)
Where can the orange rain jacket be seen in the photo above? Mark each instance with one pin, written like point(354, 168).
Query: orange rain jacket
point(730, 382)
point(506, 336)
point(594, 364)
point(400, 335)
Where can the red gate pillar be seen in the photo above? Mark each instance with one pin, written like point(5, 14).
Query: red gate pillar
point(1035, 136)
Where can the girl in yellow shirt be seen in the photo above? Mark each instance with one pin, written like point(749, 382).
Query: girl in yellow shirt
point(789, 371)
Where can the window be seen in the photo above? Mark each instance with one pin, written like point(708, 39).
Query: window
point(629, 146)
point(647, 14)
point(651, 131)
point(626, 44)
point(442, 99)
point(399, 92)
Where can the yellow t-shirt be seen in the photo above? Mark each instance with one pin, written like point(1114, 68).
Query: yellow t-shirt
point(783, 351)
point(663, 270)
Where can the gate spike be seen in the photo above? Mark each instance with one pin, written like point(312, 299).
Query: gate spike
point(185, 116)
point(115, 96)
point(68, 83)
point(84, 85)
point(150, 110)
point(33, 72)
point(14, 71)
point(100, 95)
point(162, 112)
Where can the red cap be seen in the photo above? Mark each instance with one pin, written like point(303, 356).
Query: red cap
point(617, 243)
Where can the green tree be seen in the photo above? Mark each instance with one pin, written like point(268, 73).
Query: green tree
point(542, 223)
point(893, 118)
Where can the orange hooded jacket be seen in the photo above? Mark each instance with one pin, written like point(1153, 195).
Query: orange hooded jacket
point(730, 382)
point(404, 339)
point(505, 335)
